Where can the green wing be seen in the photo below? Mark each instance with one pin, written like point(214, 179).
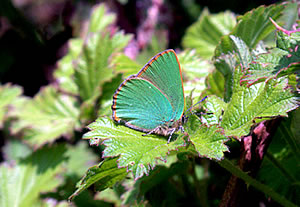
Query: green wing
point(164, 71)
point(141, 105)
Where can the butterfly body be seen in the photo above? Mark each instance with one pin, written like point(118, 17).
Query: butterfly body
point(152, 101)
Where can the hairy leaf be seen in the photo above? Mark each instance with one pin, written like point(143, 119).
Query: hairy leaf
point(260, 101)
point(207, 140)
point(8, 94)
point(278, 62)
point(104, 175)
point(47, 116)
point(139, 154)
point(252, 27)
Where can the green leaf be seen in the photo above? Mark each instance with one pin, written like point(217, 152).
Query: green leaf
point(139, 154)
point(100, 19)
point(14, 150)
point(193, 66)
point(91, 68)
point(87, 66)
point(126, 66)
point(195, 70)
point(104, 175)
point(215, 83)
point(161, 177)
point(47, 116)
point(252, 27)
point(80, 158)
point(205, 34)
point(215, 106)
point(8, 94)
point(263, 100)
point(65, 70)
point(226, 65)
point(278, 62)
point(21, 184)
point(208, 140)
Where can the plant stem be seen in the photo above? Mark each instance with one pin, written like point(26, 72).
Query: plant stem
point(251, 181)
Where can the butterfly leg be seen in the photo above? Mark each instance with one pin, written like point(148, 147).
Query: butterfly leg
point(151, 132)
point(181, 129)
point(171, 133)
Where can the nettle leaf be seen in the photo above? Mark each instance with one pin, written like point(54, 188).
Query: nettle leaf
point(92, 68)
point(8, 94)
point(139, 154)
point(278, 62)
point(208, 140)
point(65, 70)
point(100, 19)
point(47, 116)
point(21, 184)
point(226, 64)
point(205, 34)
point(252, 27)
point(254, 103)
point(87, 66)
point(104, 175)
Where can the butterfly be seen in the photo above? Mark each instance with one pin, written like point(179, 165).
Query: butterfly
point(152, 101)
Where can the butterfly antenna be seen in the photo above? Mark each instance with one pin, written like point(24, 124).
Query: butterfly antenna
point(196, 104)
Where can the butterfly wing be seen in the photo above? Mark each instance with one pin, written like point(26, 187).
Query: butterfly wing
point(164, 71)
point(141, 105)
point(152, 97)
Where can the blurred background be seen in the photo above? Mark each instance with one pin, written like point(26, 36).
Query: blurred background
point(34, 33)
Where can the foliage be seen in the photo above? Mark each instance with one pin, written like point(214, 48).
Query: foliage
point(224, 57)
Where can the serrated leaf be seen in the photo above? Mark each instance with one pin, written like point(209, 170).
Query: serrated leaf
point(47, 116)
point(139, 154)
point(21, 184)
point(92, 68)
point(207, 140)
point(100, 18)
point(87, 65)
point(104, 175)
point(252, 27)
point(247, 104)
point(278, 62)
point(205, 34)
point(8, 94)
point(65, 70)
